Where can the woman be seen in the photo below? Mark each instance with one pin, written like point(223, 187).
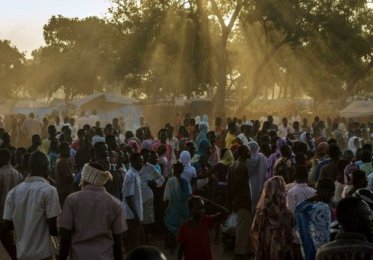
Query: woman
point(203, 150)
point(64, 173)
point(189, 171)
point(273, 223)
point(202, 133)
point(177, 194)
point(258, 166)
point(353, 144)
point(274, 157)
point(219, 190)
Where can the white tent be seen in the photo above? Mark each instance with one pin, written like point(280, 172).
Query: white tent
point(358, 109)
point(103, 101)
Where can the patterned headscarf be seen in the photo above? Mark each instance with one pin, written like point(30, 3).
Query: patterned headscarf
point(94, 176)
point(273, 197)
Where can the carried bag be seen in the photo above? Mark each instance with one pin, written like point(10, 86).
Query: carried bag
point(230, 224)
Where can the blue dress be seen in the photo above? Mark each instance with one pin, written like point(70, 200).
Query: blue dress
point(177, 194)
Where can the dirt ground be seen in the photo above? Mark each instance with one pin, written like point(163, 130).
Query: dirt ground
point(217, 251)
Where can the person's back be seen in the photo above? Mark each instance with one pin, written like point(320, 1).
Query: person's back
point(238, 185)
point(239, 198)
point(329, 171)
point(9, 177)
point(92, 220)
point(38, 200)
point(355, 240)
point(313, 218)
point(93, 215)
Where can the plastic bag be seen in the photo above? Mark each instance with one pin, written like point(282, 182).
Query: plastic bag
point(230, 224)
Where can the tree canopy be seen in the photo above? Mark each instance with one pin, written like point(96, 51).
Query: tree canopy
point(235, 49)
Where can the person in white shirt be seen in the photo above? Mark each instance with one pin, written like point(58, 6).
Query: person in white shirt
point(150, 177)
point(295, 195)
point(300, 191)
point(38, 200)
point(174, 142)
point(133, 203)
point(284, 129)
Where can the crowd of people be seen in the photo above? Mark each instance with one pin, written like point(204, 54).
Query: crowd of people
point(261, 188)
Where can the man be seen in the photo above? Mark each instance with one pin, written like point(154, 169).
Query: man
point(300, 191)
point(92, 221)
point(297, 194)
point(330, 170)
point(64, 173)
point(45, 144)
point(150, 178)
point(100, 155)
point(78, 142)
point(31, 126)
point(38, 200)
point(284, 129)
point(9, 178)
point(174, 142)
point(214, 149)
point(44, 128)
point(133, 203)
point(73, 127)
point(354, 215)
point(239, 197)
point(36, 142)
point(6, 143)
point(58, 123)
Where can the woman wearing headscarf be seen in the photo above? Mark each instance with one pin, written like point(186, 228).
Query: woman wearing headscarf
point(258, 166)
point(202, 133)
point(203, 150)
point(272, 228)
point(176, 194)
point(322, 150)
point(189, 171)
point(274, 157)
point(353, 144)
point(219, 186)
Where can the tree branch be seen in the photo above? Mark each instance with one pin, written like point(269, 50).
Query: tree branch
point(216, 10)
point(234, 16)
point(255, 87)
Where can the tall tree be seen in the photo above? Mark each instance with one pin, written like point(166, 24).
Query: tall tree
point(11, 69)
point(79, 58)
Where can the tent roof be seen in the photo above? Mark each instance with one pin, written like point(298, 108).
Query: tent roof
point(358, 109)
point(104, 97)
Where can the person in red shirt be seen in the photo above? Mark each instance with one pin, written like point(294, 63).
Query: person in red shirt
point(194, 234)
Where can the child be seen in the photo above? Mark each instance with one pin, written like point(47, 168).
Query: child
point(194, 234)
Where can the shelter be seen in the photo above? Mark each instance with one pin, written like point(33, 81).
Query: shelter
point(102, 102)
point(362, 108)
point(108, 106)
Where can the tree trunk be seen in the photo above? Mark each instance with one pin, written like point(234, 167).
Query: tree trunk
point(219, 105)
point(257, 73)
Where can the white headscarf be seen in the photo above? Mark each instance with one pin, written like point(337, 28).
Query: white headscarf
point(185, 158)
point(351, 144)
